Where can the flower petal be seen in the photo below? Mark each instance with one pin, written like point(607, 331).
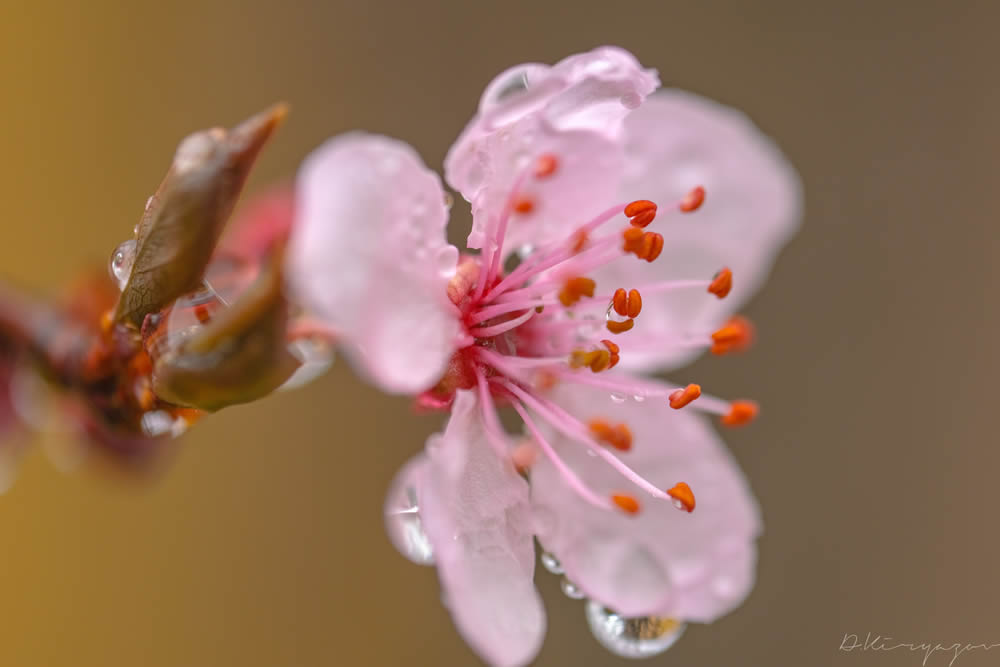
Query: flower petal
point(476, 513)
point(694, 567)
point(368, 254)
point(753, 205)
point(574, 111)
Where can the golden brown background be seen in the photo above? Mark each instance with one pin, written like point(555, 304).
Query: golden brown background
point(876, 462)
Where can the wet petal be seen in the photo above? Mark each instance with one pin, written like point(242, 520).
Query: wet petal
point(573, 110)
point(475, 510)
point(753, 205)
point(368, 255)
point(694, 567)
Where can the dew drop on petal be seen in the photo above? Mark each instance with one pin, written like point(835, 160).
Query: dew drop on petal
point(551, 563)
point(515, 82)
point(631, 100)
point(120, 265)
point(638, 398)
point(632, 637)
point(617, 398)
point(571, 590)
point(403, 524)
point(446, 261)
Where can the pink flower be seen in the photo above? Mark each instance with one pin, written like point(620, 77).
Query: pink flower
point(561, 165)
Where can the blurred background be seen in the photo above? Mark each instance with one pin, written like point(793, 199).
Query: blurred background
point(876, 460)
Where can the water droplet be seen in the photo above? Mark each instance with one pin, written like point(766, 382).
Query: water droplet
point(525, 251)
point(571, 590)
point(551, 563)
point(632, 637)
point(446, 260)
point(149, 202)
point(402, 519)
point(505, 87)
point(316, 356)
point(631, 100)
point(638, 398)
point(120, 265)
point(678, 504)
point(617, 398)
point(160, 422)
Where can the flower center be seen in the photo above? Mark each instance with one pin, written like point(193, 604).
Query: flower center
point(547, 321)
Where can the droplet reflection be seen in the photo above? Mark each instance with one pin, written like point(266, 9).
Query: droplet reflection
point(632, 637)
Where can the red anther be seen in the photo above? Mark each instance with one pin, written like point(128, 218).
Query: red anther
point(634, 303)
point(546, 165)
point(693, 200)
point(202, 312)
point(580, 239)
point(652, 246)
point(619, 327)
point(740, 413)
point(682, 397)
point(683, 496)
point(722, 282)
point(524, 205)
point(735, 336)
point(640, 212)
point(575, 289)
point(620, 301)
point(632, 237)
point(626, 503)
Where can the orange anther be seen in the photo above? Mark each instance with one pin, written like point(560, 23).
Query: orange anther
point(524, 205)
point(575, 289)
point(202, 312)
point(618, 436)
point(683, 496)
point(545, 380)
point(652, 246)
point(693, 200)
point(146, 398)
point(735, 336)
point(612, 353)
point(632, 237)
point(634, 303)
point(524, 456)
point(601, 361)
point(546, 165)
point(620, 301)
point(640, 212)
point(722, 282)
point(627, 503)
point(740, 413)
point(619, 327)
point(682, 397)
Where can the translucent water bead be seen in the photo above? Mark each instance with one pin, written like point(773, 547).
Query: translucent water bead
point(120, 264)
point(632, 637)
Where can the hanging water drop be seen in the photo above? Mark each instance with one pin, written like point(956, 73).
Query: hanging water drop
point(402, 518)
point(551, 563)
point(571, 590)
point(641, 637)
point(120, 265)
point(446, 260)
point(316, 356)
point(617, 398)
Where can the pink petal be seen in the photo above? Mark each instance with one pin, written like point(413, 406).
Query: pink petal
point(368, 255)
point(694, 567)
point(265, 221)
point(572, 110)
point(475, 510)
point(753, 205)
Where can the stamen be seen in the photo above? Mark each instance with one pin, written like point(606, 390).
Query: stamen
point(683, 496)
point(652, 246)
point(618, 436)
point(735, 336)
point(613, 351)
point(627, 304)
point(619, 327)
point(632, 237)
point(597, 360)
point(546, 165)
point(640, 212)
point(524, 205)
point(626, 503)
point(740, 413)
point(682, 397)
point(575, 289)
point(497, 329)
point(722, 282)
point(693, 200)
